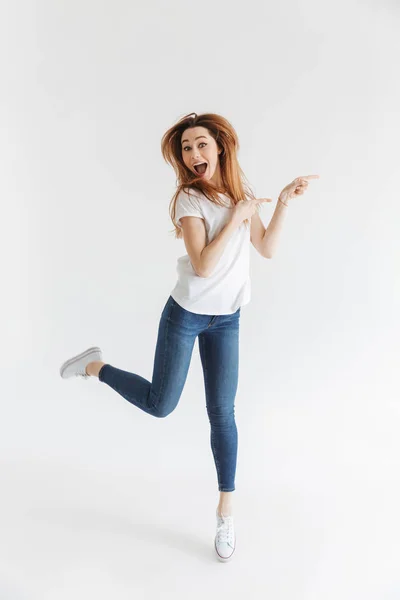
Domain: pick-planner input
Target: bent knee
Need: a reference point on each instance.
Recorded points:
(163, 411)
(164, 405)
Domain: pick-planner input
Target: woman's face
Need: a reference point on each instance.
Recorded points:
(198, 146)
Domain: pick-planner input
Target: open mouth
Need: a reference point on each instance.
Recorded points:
(201, 168)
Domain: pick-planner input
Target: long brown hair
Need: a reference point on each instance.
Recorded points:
(234, 182)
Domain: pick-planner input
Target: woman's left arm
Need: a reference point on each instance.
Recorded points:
(272, 232)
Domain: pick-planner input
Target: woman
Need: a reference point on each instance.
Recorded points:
(217, 215)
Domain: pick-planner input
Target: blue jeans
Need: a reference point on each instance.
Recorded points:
(219, 352)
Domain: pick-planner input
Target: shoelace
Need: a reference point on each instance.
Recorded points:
(82, 373)
(225, 532)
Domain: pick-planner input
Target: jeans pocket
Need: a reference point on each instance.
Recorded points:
(183, 317)
(169, 305)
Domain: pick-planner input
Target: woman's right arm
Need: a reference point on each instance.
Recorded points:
(204, 257)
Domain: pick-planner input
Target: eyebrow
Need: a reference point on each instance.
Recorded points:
(199, 136)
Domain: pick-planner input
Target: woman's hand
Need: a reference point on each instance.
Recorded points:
(245, 209)
(297, 187)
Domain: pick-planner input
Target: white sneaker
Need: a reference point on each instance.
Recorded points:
(225, 538)
(77, 364)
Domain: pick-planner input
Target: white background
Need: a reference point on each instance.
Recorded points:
(99, 499)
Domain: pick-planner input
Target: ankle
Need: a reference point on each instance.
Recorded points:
(225, 511)
(93, 368)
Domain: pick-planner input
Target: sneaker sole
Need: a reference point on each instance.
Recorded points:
(77, 357)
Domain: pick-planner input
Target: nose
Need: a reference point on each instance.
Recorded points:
(196, 156)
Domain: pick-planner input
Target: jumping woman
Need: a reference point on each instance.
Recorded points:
(216, 213)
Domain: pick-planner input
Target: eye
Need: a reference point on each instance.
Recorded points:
(205, 144)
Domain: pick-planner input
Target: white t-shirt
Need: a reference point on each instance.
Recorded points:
(228, 287)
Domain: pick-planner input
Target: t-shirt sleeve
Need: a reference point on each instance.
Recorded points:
(187, 206)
